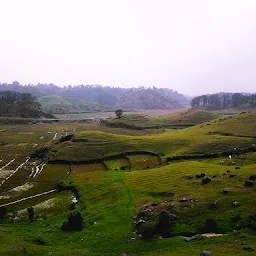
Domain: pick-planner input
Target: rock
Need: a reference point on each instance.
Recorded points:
(206, 180)
(143, 214)
(188, 177)
(216, 176)
(214, 204)
(228, 171)
(235, 203)
(206, 253)
(252, 177)
(225, 191)
(188, 239)
(237, 168)
(154, 203)
(183, 199)
(201, 175)
(248, 248)
(123, 254)
(249, 183)
(232, 175)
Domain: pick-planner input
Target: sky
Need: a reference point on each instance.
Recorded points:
(192, 46)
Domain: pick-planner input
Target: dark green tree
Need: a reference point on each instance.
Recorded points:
(119, 113)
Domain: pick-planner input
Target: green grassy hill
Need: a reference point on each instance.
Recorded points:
(176, 119)
(60, 105)
(122, 198)
(200, 139)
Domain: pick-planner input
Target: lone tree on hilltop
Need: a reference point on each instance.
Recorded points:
(119, 113)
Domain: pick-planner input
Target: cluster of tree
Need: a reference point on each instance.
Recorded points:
(224, 101)
(126, 98)
(15, 104)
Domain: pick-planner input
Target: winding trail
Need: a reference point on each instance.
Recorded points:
(14, 171)
(7, 164)
(29, 197)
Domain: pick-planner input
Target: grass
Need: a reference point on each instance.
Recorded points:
(198, 139)
(173, 119)
(110, 198)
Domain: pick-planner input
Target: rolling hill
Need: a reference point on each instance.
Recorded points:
(61, 105)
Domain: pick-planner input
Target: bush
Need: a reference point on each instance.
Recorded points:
(74, 222)
(31, 213)
(3, 212)
(252, 220)
(147, 231)
(210, 226)
(39, 240)
(163, 225)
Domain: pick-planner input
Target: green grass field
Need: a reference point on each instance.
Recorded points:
(119, 173)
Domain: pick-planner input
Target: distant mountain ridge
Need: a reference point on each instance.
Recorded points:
(100, 98)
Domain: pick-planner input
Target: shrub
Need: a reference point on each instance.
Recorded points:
(3, 212)
(210, 226)
(252, 220)
(147, 231)
(31, 213)
(163, 225)
(39, 240)
(74, 222)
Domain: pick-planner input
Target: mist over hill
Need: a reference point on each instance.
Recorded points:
(103, 97)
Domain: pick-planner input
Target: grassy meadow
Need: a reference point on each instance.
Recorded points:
(118, 174)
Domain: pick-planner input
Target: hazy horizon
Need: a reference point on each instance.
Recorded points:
(193, 47)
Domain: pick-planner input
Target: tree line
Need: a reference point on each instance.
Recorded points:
(224, 100)
(126, 98)
(15, 104)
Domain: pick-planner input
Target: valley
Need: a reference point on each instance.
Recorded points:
(146, 191)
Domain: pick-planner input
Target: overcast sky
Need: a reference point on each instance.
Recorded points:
(193, 46)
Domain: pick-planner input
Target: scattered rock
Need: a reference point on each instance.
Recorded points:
(252, 177)
(183, 199)
(228, 171)
(206, 180)
(201, 175)
(237, 168)
(249, 183)
(188, 239)
(123, 254)
(155, 204)
(225, 191)
(214, 204)
(216, 176)
(188, 177)
(248, 248)
(235, 203)
(232, 175)
(206, 253)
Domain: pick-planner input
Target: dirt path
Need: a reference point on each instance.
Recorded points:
(7, 164)
(29, 197)
(14, 171)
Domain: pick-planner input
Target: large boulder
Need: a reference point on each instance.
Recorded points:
(249, 183)
(201, 175)
(206, 180)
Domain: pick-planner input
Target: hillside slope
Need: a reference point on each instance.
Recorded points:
(60, 105)
(199, 139)
(176, 119)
